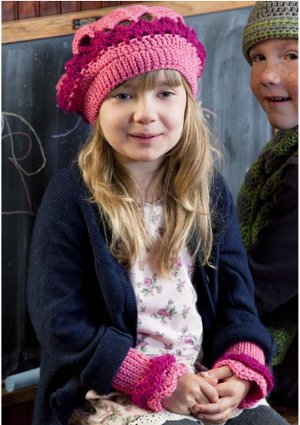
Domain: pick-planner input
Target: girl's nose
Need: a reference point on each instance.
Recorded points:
(145, 111)
(271, 74)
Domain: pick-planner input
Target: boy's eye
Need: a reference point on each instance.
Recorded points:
(292, 56)
(257, 58)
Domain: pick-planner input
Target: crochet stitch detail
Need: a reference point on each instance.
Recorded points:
(167, 387)
(270, 20)
(113, 19)
(152, 381)
(148, 380)
(252, 364)
(257, 392)
(247, 361)
(121, 46)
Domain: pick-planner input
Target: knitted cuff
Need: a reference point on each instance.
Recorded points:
(169, 384)
(131, 372)
(259, 387)
(247, 361)
(248, 348)
(148, 380)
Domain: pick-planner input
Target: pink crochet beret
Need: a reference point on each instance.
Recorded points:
(123, 44)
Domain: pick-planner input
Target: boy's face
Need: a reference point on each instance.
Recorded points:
(274, 80)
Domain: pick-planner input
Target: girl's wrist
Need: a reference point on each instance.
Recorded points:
(148, 380)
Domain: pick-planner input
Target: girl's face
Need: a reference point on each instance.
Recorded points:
(142, 125)
(274, 80)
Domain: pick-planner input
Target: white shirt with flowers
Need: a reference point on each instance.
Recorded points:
(168, 322)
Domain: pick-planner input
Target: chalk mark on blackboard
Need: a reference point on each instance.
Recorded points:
(57, 136)
(11, 114)
(209, 113)
(15, 160)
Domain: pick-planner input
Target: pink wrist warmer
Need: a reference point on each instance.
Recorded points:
(148, 380)
(247, 361)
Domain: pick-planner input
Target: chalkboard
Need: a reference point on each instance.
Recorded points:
(38, 139)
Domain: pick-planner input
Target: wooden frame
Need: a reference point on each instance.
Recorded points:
(58, 25)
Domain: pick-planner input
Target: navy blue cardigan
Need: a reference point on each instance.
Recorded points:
(83, 307)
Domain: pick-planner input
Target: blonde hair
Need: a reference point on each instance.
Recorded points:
(183, 182)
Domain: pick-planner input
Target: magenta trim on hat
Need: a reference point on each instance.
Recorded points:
(130, 13)
(127, 61)
(170, 45)
(118, 35)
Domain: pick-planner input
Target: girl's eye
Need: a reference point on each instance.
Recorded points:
(166, 93)
(123, 96)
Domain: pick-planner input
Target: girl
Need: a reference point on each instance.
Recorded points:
(268, 201)
(144, 278)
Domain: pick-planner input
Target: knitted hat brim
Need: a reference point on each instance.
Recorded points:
(261, 31)
(125, 61)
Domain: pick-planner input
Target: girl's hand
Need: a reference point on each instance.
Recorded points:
(231, 391)
(191, 389)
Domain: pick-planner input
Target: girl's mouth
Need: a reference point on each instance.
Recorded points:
(145, 138)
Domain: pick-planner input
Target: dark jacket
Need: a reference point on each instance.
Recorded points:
(273, 258)
(273, 261)
(83, 306)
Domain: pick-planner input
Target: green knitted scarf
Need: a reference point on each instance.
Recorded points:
(255, 200)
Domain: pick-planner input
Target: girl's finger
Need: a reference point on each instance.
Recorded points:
(218, 418)
(209, 391)
(212, 379)
(223, 372)
(219, 407)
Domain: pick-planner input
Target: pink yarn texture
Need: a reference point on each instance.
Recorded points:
(126, 43)
(247, 361)
(259, 389)
(148, 380)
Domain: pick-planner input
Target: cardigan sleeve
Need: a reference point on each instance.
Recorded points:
(72, 318)
(231, 284)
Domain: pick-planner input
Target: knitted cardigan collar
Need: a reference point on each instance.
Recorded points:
(258, 192)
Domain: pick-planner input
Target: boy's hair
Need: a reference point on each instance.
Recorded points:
(183, 182)
(270, 20)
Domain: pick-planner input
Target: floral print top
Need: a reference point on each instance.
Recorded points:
(168, 320)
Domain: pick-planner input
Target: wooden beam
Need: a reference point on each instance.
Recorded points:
(18, 396)
(53, 26)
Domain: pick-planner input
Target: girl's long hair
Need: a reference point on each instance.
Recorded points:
(183, 182)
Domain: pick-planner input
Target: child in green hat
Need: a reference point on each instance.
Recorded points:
(268, 200)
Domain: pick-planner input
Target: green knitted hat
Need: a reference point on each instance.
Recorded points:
(270, 20)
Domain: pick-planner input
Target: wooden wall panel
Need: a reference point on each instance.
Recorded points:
(15, 10)
(89, 5)
(28, 9)
(9, 10)
(70, 6)
(48, 8)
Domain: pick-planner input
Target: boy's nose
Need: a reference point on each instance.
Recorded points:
(271, 74)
